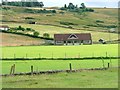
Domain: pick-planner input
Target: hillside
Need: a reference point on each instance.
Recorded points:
(99, 23)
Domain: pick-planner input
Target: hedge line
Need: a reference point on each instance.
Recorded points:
(18, 33)
(89, 58)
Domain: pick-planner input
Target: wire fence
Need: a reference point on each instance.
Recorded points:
(24, 66)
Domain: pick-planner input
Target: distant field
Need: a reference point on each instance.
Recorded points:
(54, 30)
(15, 16)
(61, 51)
(17, 40)
(43, 65)
(108, 15)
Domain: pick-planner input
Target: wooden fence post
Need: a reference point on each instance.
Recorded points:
(26, 55)
(108, 65)
(106, 54)
(78, 55)
(31, 70)
(39, 55)
(11, 70)
(103, 63)
(70, 67)
(110, 61)
(14, 69)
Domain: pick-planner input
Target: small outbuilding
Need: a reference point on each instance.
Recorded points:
(4, 28)
(72, 39)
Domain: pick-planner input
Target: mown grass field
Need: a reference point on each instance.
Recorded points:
(85, 79)
(95, 50)
(45, 65)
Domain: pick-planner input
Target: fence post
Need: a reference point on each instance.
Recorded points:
(39, 55)
(78, 55)
(31, 70)
(110, 61)
(14, 69)
(108, 65)
(103, 63)
(26, 55)
(11, 70)
(106, 54)
(14, 56)
(70, 67)
(2, 56)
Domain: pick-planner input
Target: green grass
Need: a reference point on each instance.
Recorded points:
(43, 65)
(61, 51)
(85, 79)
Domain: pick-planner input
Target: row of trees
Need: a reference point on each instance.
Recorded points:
(75, 8)
(23, 3)
(39, 11)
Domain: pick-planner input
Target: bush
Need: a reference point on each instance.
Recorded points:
(67, 23)
(36, 34)
(101, 25)
(29, 11)
(20, 28)
(29, 18)
(99, 21)
(46, 35)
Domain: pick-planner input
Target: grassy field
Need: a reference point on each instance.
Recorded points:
(85, 79)
(55, 30)
(17, 40)
(61, 51)
(108, 15)
(15, 16)
(43, 65)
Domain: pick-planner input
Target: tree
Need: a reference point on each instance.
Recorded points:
(83, 5)
(71, 6)
(76, 6)
(36, 34)
(41, 4)
(65, 6)
(46, 35)
(20, 28)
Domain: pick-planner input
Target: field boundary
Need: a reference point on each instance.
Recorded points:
(52, 71)
(90, 58)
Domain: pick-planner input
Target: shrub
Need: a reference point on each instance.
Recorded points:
(67, 23)
(99, 21)
(46, 35)
(36, 34)
(29, 18)
(29, 29)
(20, 28)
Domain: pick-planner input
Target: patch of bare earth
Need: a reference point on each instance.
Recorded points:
(18, 40)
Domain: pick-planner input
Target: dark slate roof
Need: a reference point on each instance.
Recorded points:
(81, 36)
